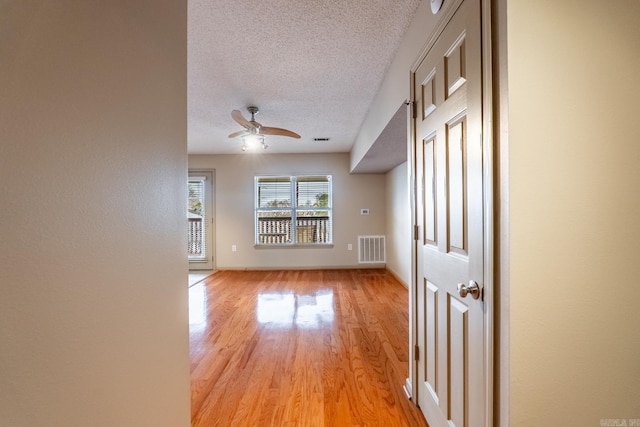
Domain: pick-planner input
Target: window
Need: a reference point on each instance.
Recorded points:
(293, 210)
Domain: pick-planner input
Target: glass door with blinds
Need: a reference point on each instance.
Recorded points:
(200, 218)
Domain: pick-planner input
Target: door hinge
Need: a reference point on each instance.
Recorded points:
(416, 232)
(414, 110)
(416, 352)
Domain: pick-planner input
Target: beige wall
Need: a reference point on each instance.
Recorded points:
(234, 208)
(398, 224)
(93, 300)
(574, 206)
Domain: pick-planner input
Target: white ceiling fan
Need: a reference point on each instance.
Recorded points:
(253, 134)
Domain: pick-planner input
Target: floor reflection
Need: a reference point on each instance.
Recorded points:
(284, 310)
(197, 304)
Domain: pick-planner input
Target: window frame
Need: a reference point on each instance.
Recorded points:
(294, 213)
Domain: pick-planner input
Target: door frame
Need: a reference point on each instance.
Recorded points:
(489, 191)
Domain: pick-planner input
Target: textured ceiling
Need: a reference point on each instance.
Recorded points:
(313, 67)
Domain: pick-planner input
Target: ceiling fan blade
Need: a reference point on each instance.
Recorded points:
(278, 131)
(239, 133)
(238, 117)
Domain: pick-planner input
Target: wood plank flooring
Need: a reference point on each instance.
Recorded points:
(300, 348)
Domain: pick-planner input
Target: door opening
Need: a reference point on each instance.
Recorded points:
(200, 246)
(452, 199)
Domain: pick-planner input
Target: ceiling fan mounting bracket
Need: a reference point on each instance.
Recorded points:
(253, 109)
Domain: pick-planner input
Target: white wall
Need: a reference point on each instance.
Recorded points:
(574, 206)
(93, 299)
(234, 205)
(398, 223)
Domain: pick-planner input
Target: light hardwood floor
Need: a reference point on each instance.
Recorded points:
(300, 348)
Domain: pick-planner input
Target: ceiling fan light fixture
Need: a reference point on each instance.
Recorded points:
(253, 141)
(253, 135)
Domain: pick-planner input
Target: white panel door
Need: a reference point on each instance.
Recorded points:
(449, 215)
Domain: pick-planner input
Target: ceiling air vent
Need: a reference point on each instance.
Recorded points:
(320, 139)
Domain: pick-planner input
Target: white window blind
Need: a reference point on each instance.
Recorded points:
(293, 210)
(196, 248)
(274, 192)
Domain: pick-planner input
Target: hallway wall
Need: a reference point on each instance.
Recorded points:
(93, 293)
(574, 207)
(398, 223)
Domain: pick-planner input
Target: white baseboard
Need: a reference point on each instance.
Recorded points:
(311, 267)
(398, 278)
(408, 389)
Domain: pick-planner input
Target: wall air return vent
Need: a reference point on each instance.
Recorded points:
(371, 249)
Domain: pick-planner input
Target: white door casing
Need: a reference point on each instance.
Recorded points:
(451, 330)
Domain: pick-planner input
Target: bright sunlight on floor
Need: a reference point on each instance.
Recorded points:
(197, 276)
